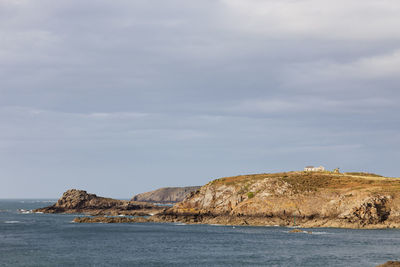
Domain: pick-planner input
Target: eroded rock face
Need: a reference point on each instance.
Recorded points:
(308, 199)
(79, 201)
(374, 210)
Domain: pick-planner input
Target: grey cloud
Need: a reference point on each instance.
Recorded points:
(178, 92)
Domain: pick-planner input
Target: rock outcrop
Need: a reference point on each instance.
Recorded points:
(390, 264)
(319, 199)
(103, 219)
(79, 201)
(166, 194)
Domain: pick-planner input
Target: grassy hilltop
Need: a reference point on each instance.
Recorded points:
(301, 181)
(353, 199)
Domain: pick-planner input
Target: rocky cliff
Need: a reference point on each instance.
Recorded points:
(320, 199)
(79, 201)
(166, 194)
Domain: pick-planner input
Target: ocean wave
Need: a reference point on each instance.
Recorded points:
(11, 221)
(310, 232)
(322, 233)
(24, 211)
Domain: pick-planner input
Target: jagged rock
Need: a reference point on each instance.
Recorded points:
(390, 264)
(166, 194)
(102, 219)
(79, 201)
(300, 231)
(374, 210)
(296, 231)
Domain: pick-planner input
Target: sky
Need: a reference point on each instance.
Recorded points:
(122, 97)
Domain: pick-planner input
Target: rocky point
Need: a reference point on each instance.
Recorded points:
(307, 199)
(79, 201)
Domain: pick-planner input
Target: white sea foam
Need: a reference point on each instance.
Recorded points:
(26, 212)
(23, 211)
(179, 224)
(321, 233)
(11, 221)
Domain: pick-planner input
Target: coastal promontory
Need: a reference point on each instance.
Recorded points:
(307, 199)
(299, 198)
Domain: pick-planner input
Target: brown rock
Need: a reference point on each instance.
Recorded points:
(306, 199)
(390, 264)
(103, 219)
(79, 201)
(296, 231)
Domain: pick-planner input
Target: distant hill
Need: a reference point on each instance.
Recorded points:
(166, 194)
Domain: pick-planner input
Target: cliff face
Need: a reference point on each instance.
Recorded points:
(79, 201)
(166, 194)
(307, 199)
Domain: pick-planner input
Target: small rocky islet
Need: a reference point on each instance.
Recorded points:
(305, 199)
(79, 201)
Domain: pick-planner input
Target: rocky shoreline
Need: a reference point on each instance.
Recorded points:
(266, 221)
(104, 219)
(307, 200)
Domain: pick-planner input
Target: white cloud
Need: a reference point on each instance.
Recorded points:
(173, 86)
(341, 19)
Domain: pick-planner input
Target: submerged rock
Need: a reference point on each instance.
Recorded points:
(299, 231)
(296, 231)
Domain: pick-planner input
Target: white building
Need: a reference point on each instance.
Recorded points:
(314, 169)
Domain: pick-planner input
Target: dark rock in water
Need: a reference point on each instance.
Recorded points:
(102, 219)
(299, 231)
(390, 264)
(79, 201)
(166, 194)
(296, 231)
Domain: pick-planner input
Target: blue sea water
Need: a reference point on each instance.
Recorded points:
(54, 240)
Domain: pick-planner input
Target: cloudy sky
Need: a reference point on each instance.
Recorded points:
(120, 97)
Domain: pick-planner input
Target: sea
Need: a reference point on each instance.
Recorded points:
(31, 239)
